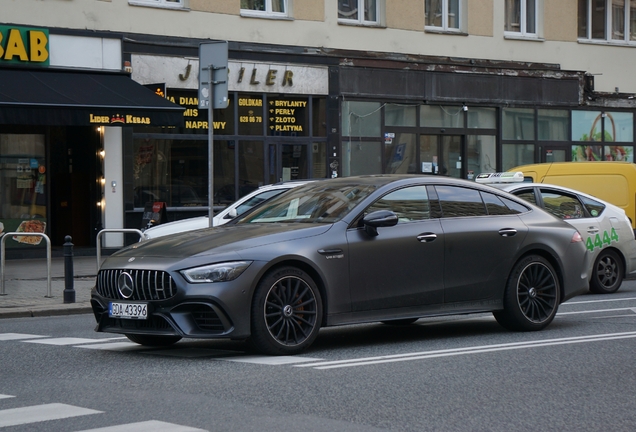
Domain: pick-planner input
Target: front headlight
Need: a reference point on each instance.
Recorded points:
(222, 272)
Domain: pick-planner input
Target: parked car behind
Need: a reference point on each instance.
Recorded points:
(238, 208)
(606, 229)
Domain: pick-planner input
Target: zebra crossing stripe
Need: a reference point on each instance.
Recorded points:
(17, 336)
(5, 396)
(152, 425)
(39, 413)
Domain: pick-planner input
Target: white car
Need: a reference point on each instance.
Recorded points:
(605, 228)
(245, 203)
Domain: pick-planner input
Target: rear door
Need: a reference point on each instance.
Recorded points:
(482, 236)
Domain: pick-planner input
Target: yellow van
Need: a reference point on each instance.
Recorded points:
(614, 182)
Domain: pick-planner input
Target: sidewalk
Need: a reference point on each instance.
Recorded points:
(25, 287)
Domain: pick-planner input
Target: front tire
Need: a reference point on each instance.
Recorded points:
(286, 312)
(532, 296)
(607, 274)
(153, 340)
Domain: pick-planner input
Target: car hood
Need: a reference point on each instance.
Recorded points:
(217, 240)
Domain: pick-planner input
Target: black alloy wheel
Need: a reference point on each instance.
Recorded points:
(153, 340)
(607, 274)
(532, 295)
(286, 312)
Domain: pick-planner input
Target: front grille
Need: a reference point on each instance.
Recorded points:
(155, 323)
(147, 284)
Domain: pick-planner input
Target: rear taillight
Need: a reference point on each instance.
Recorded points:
(576, 237)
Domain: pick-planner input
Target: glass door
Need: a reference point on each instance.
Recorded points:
(288, 162)
(441, 155)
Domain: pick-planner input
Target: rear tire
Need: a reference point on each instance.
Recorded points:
(532, 295)
(286, 312)
(607, 274)
(153, 340)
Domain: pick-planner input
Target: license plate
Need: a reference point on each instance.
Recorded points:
(128, 310)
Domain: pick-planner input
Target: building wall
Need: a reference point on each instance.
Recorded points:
(315, 24)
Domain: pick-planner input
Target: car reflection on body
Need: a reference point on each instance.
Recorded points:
(387, 248)
(605, 228)
(239, 207)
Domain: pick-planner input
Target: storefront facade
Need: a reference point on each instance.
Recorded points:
(63, 100)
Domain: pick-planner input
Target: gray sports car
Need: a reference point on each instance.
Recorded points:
(388, 248)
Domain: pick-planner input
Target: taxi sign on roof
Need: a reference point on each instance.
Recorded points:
(500, 177)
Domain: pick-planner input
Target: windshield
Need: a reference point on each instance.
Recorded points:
(319, 202)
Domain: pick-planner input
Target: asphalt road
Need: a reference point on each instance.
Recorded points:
(453, 374)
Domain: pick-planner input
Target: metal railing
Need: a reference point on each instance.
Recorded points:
(112, 230)
(48, 259)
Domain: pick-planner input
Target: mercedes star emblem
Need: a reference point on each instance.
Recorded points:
(125, 285)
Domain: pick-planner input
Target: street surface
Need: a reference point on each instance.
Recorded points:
(453, 374)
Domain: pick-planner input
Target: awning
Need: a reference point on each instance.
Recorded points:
(65, 98)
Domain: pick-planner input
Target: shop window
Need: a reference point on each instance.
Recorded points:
(361, 157)
(23, 179)
(482, 118)
(521, 18)
(599, 127)
(607, 20)
(287, 115)
(361, 119)
(250, 114)
(177, 4)
(552, 125)
(442, 116)
(319, 117)
(400, 154)
(513, 155)
(400, 115)
(264, 8)
(251, 163)
(443, 15)
(518, 124)
(480, 155)
(365, 12)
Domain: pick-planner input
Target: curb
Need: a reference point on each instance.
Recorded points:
(44, 311)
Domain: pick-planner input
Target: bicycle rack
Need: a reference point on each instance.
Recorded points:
(112, 230)
(48, 259)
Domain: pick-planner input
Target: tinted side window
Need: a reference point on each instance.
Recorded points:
(494, 205)
(564, 206)
(514, 206)
(458, 201)
(594, 207)
(526, 194)
(409, 204)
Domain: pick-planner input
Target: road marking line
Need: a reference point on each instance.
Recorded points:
(191, 352)
(467, 350)
(596, 311)
(597, 301)
(114, 346)
(152, 425)
(6, 396)
(18, 336)
(270, 360)
(39, 413)
(69, 341)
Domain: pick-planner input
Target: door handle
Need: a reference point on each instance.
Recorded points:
(329, 251)
(426, 237)
(592, 230)
(507, 232)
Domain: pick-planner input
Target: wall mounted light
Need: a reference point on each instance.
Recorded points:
(464, 108)
(102, 153)
(99, 128)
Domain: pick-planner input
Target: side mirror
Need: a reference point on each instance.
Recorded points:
(380, 218)
(231, 214)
